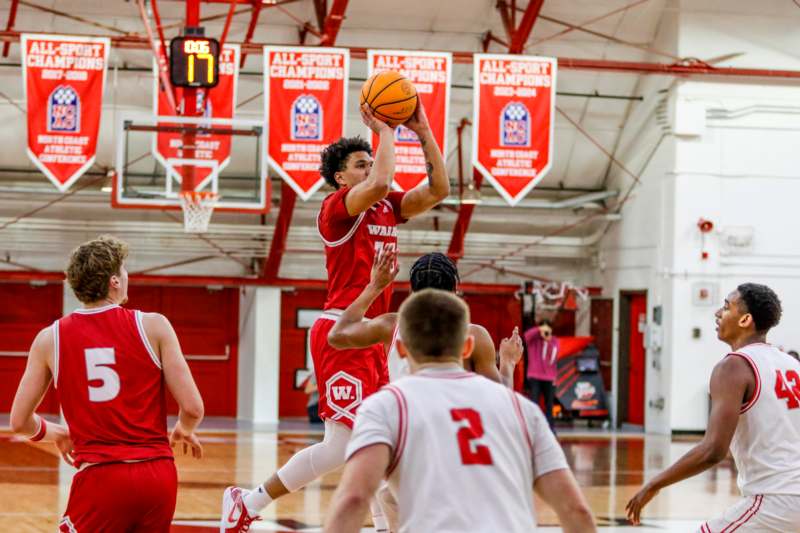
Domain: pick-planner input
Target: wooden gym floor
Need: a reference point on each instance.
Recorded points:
(609, 467)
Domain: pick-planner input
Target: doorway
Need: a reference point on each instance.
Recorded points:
(632, 357)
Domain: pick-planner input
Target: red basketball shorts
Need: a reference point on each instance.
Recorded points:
(122, 497)
(345, 377)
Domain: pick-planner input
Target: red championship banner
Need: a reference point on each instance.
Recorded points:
(63, 78)
(305, 95)
(212, 152)
(512, 139)
(430, 74)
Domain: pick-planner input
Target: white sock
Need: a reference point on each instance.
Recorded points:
(256, 499)
(379, 521)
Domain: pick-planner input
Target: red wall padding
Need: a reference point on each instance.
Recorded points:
(24, 310)
(207, 324)
(497, 313)
(292, 401)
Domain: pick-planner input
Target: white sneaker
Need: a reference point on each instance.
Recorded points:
(235, 517)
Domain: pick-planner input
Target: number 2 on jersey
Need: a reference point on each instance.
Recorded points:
(98, 361)
(471, 453)
(791, 393)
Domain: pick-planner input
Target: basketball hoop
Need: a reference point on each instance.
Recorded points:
(197, 209)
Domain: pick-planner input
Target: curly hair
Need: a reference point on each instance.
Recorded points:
(434, 271)
(762, 303)
(92, 264)
(334, 157)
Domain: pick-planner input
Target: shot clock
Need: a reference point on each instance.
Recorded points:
(194, 61)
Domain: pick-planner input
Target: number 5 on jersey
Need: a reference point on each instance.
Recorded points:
(472, 453)
(98, 361)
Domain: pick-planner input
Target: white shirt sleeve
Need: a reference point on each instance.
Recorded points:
(376, 423)
(547, 453)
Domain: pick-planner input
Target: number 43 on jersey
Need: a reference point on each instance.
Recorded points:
(788, 388)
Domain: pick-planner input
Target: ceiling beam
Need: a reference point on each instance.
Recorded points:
(685, 68)
(278, 245)
(456, 249)
(12, 18)
(251, 28)
(333, 22)
(521, 33)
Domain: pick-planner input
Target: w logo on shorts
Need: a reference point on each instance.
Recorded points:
(306, 118)
(515, 125)
(344, 394)
(64, 110)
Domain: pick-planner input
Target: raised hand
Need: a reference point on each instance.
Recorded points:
(418, 122)
(384, 268)
(511, 349)
(373, 123)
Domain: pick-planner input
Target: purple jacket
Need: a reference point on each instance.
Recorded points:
(542, 355)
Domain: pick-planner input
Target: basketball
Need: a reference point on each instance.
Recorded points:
(390, 96)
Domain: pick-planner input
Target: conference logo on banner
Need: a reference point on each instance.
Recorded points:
(305, 95)
(212, 151)
(513, 118)
(63, 78)
(430, 74)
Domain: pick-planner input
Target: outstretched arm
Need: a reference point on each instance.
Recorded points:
(560, 490)
(510, 354)
(350, 330)
(379, 182)
(360, 480)
(31, 390)
(730, 381)
(426, 195)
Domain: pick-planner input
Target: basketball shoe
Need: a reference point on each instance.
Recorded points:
(235, 517)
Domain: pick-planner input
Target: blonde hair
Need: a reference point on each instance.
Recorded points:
(92, 264)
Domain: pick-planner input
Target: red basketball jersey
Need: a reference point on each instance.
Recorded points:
(351, 244)
(110, 385)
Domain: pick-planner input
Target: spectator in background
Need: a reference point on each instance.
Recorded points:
(542, 355)
(794, 354)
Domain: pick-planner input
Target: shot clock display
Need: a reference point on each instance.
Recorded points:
(194, 61)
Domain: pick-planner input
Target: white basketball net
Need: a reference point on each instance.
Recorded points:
(197, 209)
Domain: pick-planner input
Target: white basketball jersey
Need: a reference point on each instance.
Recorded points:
(398, 366)
(465, 451)
(765, 445)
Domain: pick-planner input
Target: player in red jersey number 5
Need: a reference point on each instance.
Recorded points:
(111, 367)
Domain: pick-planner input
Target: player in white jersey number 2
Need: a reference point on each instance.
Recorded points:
(460, 452)
(755, 411)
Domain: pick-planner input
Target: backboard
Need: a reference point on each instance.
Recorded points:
(155, 155)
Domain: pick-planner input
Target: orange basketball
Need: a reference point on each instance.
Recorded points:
(391, 97)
